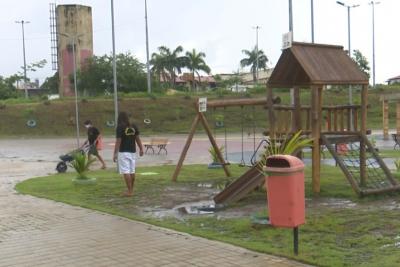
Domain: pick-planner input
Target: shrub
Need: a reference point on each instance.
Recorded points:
(213, 153)
(81, 164)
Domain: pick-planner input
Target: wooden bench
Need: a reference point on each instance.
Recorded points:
(160, 143)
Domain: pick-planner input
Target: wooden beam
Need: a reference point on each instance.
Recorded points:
(271, 114)
(296, 114)
(240, 102)
(398, 117)
(316, 108)
(385, 119)
(186, 147)
(363, 128)
(214, 143)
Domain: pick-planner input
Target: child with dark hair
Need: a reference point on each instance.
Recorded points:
(127, 136)
(93, 138)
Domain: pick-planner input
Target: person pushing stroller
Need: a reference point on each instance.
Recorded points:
(93, 138)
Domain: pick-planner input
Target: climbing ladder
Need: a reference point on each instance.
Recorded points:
(361, 164)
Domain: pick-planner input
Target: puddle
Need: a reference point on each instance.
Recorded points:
(331, 202)
(205, 185)
(148, 173)
(191, 208)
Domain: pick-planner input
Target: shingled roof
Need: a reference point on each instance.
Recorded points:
(305, 64)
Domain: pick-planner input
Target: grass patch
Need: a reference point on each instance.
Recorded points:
(364, 233)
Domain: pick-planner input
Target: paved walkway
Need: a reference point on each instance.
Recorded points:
(39, 232)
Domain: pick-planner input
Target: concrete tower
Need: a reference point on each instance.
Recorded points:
(74, 25)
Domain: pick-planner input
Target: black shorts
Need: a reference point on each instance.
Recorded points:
(93, 150)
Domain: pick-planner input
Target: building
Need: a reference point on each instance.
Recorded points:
(186, 79)
(246, 78)
(393, 80)
(74, 26)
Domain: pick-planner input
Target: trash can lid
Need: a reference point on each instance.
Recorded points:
(283, 163)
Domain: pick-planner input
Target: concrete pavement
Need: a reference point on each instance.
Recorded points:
(39, 232)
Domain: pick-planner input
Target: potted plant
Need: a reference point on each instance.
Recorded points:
(81, 164)
(284, 145)
(214, 156)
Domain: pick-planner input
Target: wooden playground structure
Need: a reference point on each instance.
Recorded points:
(312, 67)
(386, 99)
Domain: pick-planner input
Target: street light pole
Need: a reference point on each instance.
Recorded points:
(312, 21)
(74, 38)
(76, 92)
(22, 22)
(349, 52)
(290, 17)
(373, 3)
(256, 28)
(147, 50)
(114, 66)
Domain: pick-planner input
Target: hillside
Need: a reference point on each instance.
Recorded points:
(167, 114)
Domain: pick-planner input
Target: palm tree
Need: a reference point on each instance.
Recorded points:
(251, 60)
(196, 63)
(158, 63)
(167, 63)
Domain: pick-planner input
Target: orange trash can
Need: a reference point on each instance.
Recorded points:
(285, 190)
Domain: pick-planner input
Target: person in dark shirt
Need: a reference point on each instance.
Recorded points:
(127, 136)
(93, 137)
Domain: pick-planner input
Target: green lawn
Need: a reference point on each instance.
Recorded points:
(358, 232)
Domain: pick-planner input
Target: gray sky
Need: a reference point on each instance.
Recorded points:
(220, 28)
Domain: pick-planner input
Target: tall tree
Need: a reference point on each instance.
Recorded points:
(251, 60)
(361, 61)
(195, 63)
(96, 75)
(168, 63)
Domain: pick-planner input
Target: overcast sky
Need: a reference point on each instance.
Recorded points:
(219, 28)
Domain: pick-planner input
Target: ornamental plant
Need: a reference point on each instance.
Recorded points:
(81, 164)
(284, 145)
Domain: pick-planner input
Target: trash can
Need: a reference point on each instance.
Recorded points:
(285, 190)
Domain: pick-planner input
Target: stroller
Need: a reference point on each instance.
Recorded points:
(62, 165)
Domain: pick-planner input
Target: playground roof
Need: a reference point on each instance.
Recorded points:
(306, 64)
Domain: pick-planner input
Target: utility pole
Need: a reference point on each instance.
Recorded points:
(147, 50)
(114, 66)
(312, 21)
(22, 22)
(349, 52)
(291, 30)
(256, 28)
(373, 3)
(74, 39)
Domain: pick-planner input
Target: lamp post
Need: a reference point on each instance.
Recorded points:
(114, 66)
(312, 21)
(147, 49)
(22, 22)
(73, 39)
(349, 52)
(373, 3)
(256, 28)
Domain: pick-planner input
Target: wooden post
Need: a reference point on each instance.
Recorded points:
(335, 120)
(355, 119)
(214, 143)
(186, 147)
(397, 117)
(363, 128)
(385, 119)
(316, 108)
(329, 120)
(349, 122)
(271, 115)
(296, 113)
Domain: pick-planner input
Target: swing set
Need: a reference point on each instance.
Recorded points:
(201, 118)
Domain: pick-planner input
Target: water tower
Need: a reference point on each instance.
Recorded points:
(73, 25)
